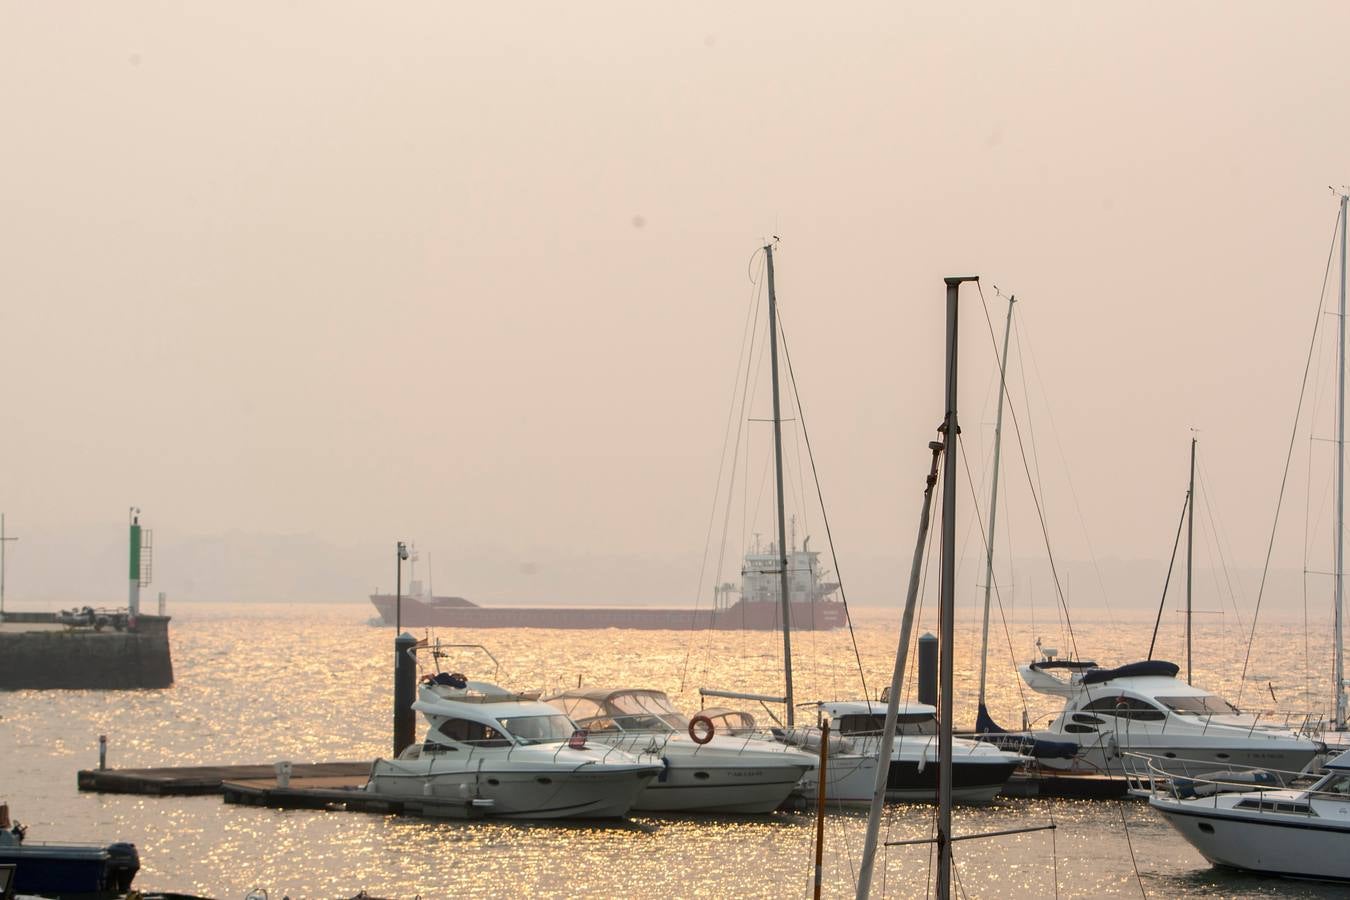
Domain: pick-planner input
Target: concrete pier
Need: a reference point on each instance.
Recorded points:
(40, 654)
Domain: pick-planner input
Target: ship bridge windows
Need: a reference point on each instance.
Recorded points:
(1126, 708)
(477, 734)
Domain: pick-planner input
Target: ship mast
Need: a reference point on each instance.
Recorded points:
(778, 477)
(947, 594)
(1339, 576)
(993, 511)
(1190, 553)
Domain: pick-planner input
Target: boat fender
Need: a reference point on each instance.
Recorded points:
(665, 770)
(701, 729)
(923, 762)
(1112, 747)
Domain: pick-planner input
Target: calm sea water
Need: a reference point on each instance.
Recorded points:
(260, 683)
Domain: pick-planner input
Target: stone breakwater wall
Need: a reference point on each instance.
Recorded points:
(84, 659)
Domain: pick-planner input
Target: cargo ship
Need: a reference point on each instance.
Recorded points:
(753, 606)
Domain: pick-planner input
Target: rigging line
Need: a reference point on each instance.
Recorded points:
(1120, 805)
(1181, 521)
(1040, 512)
(824, 516)
(1068, 478)
(721, 466)
(1219, 541)
(998, 594)
(1284, 479)
(741, 439)
(1218, 547)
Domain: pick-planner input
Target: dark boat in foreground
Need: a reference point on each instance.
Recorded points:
(65, 869)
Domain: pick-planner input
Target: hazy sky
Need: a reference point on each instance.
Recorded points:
(476, 274)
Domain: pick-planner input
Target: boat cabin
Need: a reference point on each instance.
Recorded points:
(860, 718)
(482, 716)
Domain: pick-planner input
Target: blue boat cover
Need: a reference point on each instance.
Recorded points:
(1022, 742)
(1133, 670)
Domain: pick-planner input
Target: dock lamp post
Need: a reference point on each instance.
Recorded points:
(398, 588)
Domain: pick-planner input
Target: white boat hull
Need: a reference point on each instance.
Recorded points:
(1291, 846)
(850, 780)
(744, 789)
(1191, 758)
(593, 793)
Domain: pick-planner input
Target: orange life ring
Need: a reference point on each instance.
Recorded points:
(697, 734)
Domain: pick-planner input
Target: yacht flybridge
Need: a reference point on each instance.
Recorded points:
(702, 769)
(490, 752)
(1143, 708)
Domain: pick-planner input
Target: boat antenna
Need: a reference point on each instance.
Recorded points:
(982, 710)
(778, 476)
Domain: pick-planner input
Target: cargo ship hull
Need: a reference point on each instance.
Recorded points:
(752, 615)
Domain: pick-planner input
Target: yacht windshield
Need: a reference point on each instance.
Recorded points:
(538, 729)
(1203, 705)
(646, 712)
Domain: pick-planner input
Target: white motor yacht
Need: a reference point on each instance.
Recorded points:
(1144, 708)
(1239, 825)
(979, 770)
(714, 773)
(489, 752)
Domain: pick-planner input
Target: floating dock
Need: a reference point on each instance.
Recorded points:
(191, 780)
(1072, 787)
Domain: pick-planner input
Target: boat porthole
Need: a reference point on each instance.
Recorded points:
(1221, 755)
(1206, 828)
(542, 780)
(494, 782)
(701, 775)
(1170, 755)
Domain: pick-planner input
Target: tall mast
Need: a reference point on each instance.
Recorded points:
(778, 477)
(1340, 489)
(1190, 552)
(993, 508)
(947, 626)
(897, 681)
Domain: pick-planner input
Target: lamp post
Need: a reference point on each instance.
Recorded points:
(398, 587)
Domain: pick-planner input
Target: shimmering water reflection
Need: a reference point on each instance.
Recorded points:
(263, 683)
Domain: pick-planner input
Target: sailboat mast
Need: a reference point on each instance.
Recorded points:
(887, 744)
(1339, 577)
(1190, 552)
(993, 503)
(778, 477)
(947, 626)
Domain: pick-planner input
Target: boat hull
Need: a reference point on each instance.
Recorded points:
(1292, 846)
(822, 615)
(744, 789)
(852, 779)
(1173, 758)
(590, 794)
(57, 869)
